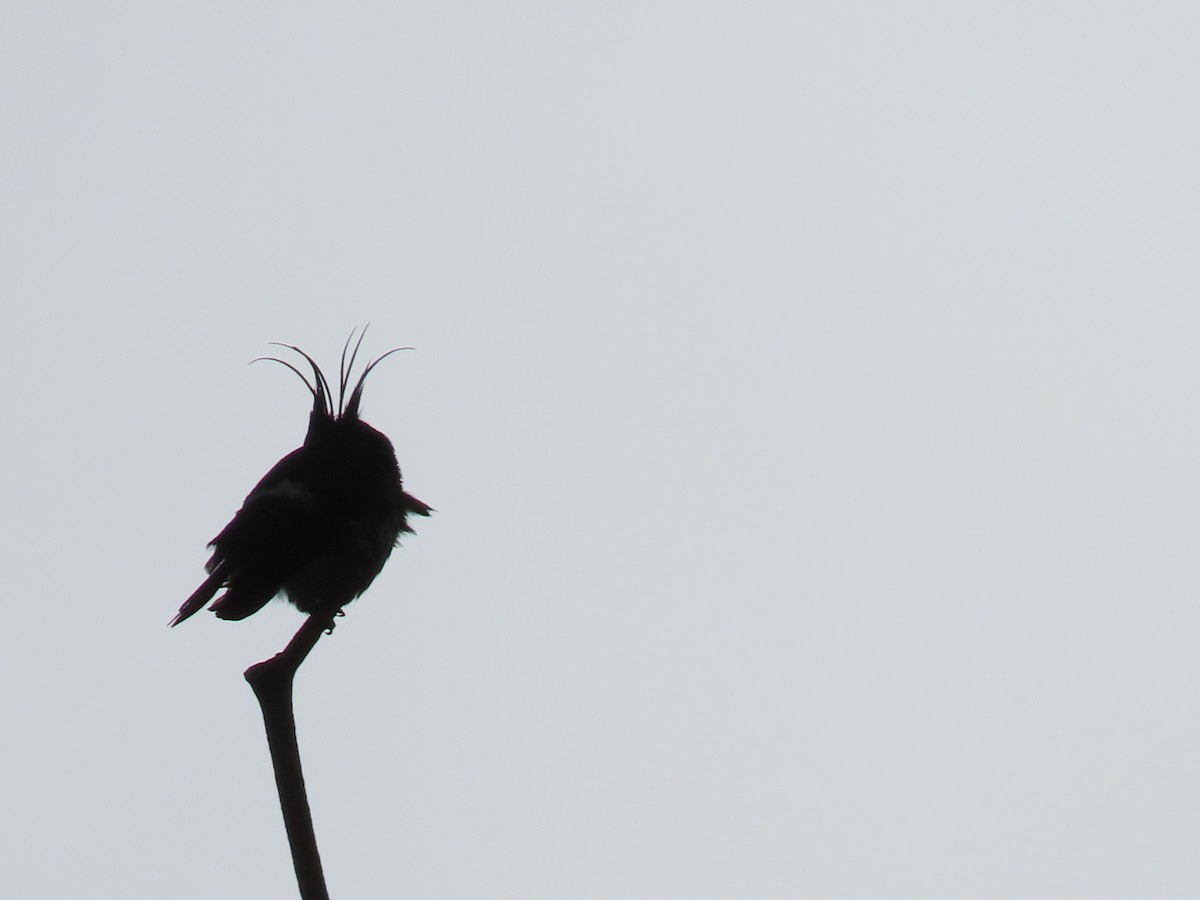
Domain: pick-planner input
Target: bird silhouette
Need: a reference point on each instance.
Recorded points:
(321, 524)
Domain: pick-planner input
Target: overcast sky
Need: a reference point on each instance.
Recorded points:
(808, 393)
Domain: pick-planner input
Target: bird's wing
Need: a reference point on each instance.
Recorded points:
(276, 533)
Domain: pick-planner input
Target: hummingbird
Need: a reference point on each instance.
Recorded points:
(319, 526)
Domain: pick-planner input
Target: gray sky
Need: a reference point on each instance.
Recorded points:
(808, 393)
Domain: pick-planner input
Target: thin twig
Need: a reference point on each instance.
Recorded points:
(272, 681)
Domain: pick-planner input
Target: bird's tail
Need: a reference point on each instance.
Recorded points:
(243, 600)
(203, 594)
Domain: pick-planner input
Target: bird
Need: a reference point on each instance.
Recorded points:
(319, 526)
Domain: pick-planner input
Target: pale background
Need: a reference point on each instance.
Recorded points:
(809, 393)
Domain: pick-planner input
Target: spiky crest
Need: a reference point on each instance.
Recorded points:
(319, 387)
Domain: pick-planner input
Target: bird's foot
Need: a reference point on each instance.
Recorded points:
(332, 624)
